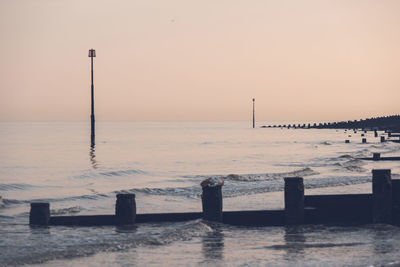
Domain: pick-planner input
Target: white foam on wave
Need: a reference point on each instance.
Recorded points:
(65, 211)
(240, 187)
(270, 176)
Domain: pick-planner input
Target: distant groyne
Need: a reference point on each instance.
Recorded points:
(388, 123)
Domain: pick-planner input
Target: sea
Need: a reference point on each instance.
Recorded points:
(163, 164)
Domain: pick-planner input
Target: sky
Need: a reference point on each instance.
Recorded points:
(301, 60)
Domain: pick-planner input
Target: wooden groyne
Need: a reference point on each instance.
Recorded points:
(389, 123)
(382, 206)
(377, 157)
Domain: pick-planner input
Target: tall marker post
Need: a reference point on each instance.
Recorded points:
(254, 119)
(92, 54)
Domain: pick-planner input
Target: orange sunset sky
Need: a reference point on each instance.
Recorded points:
(200, 60)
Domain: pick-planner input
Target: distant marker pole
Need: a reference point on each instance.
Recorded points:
(254, 119)
(92, 54)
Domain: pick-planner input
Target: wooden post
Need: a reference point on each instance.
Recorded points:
(125, 209)
(294, 200)
(376, 156)
(396, 201)
(382, 139)
(364, 140)
(212, 203)
(381, 196)
(39, 214)
(396, 192)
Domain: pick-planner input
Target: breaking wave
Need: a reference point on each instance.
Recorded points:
(24, 201)
(110, 173)
(353, 165)
(9, 187)
(189, 192)
(233, 189)
(270, 176)
(122, 172)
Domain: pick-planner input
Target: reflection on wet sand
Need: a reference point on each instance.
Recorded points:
(382, 233)
(213, 244)
(294, 242)
(92, 153)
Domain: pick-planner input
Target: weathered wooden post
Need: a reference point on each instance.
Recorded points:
(212, 200)
(364, 140)
(382, 139)
(125, 209)
(294, 200)
(381, 196)
(39, 214)
(396, 201)
(376, 156)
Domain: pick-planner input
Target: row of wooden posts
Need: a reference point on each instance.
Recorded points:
(382, 206)
(364, 140)
(390, 136)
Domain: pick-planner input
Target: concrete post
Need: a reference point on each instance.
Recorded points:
(39, 214)
(381, 196)
(294, 200)
(376, 156)
(125, 209)
(212, 203)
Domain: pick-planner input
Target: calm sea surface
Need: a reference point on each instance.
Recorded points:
(163, 163)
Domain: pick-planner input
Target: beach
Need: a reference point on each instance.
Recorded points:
(163, 163)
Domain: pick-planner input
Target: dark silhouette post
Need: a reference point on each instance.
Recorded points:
(294, 200)
(212, 203)
(92, 54)
(376, 156)
(39, 214)
(254, 119)
(212, 199)
(381, 196)
(125, 209)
